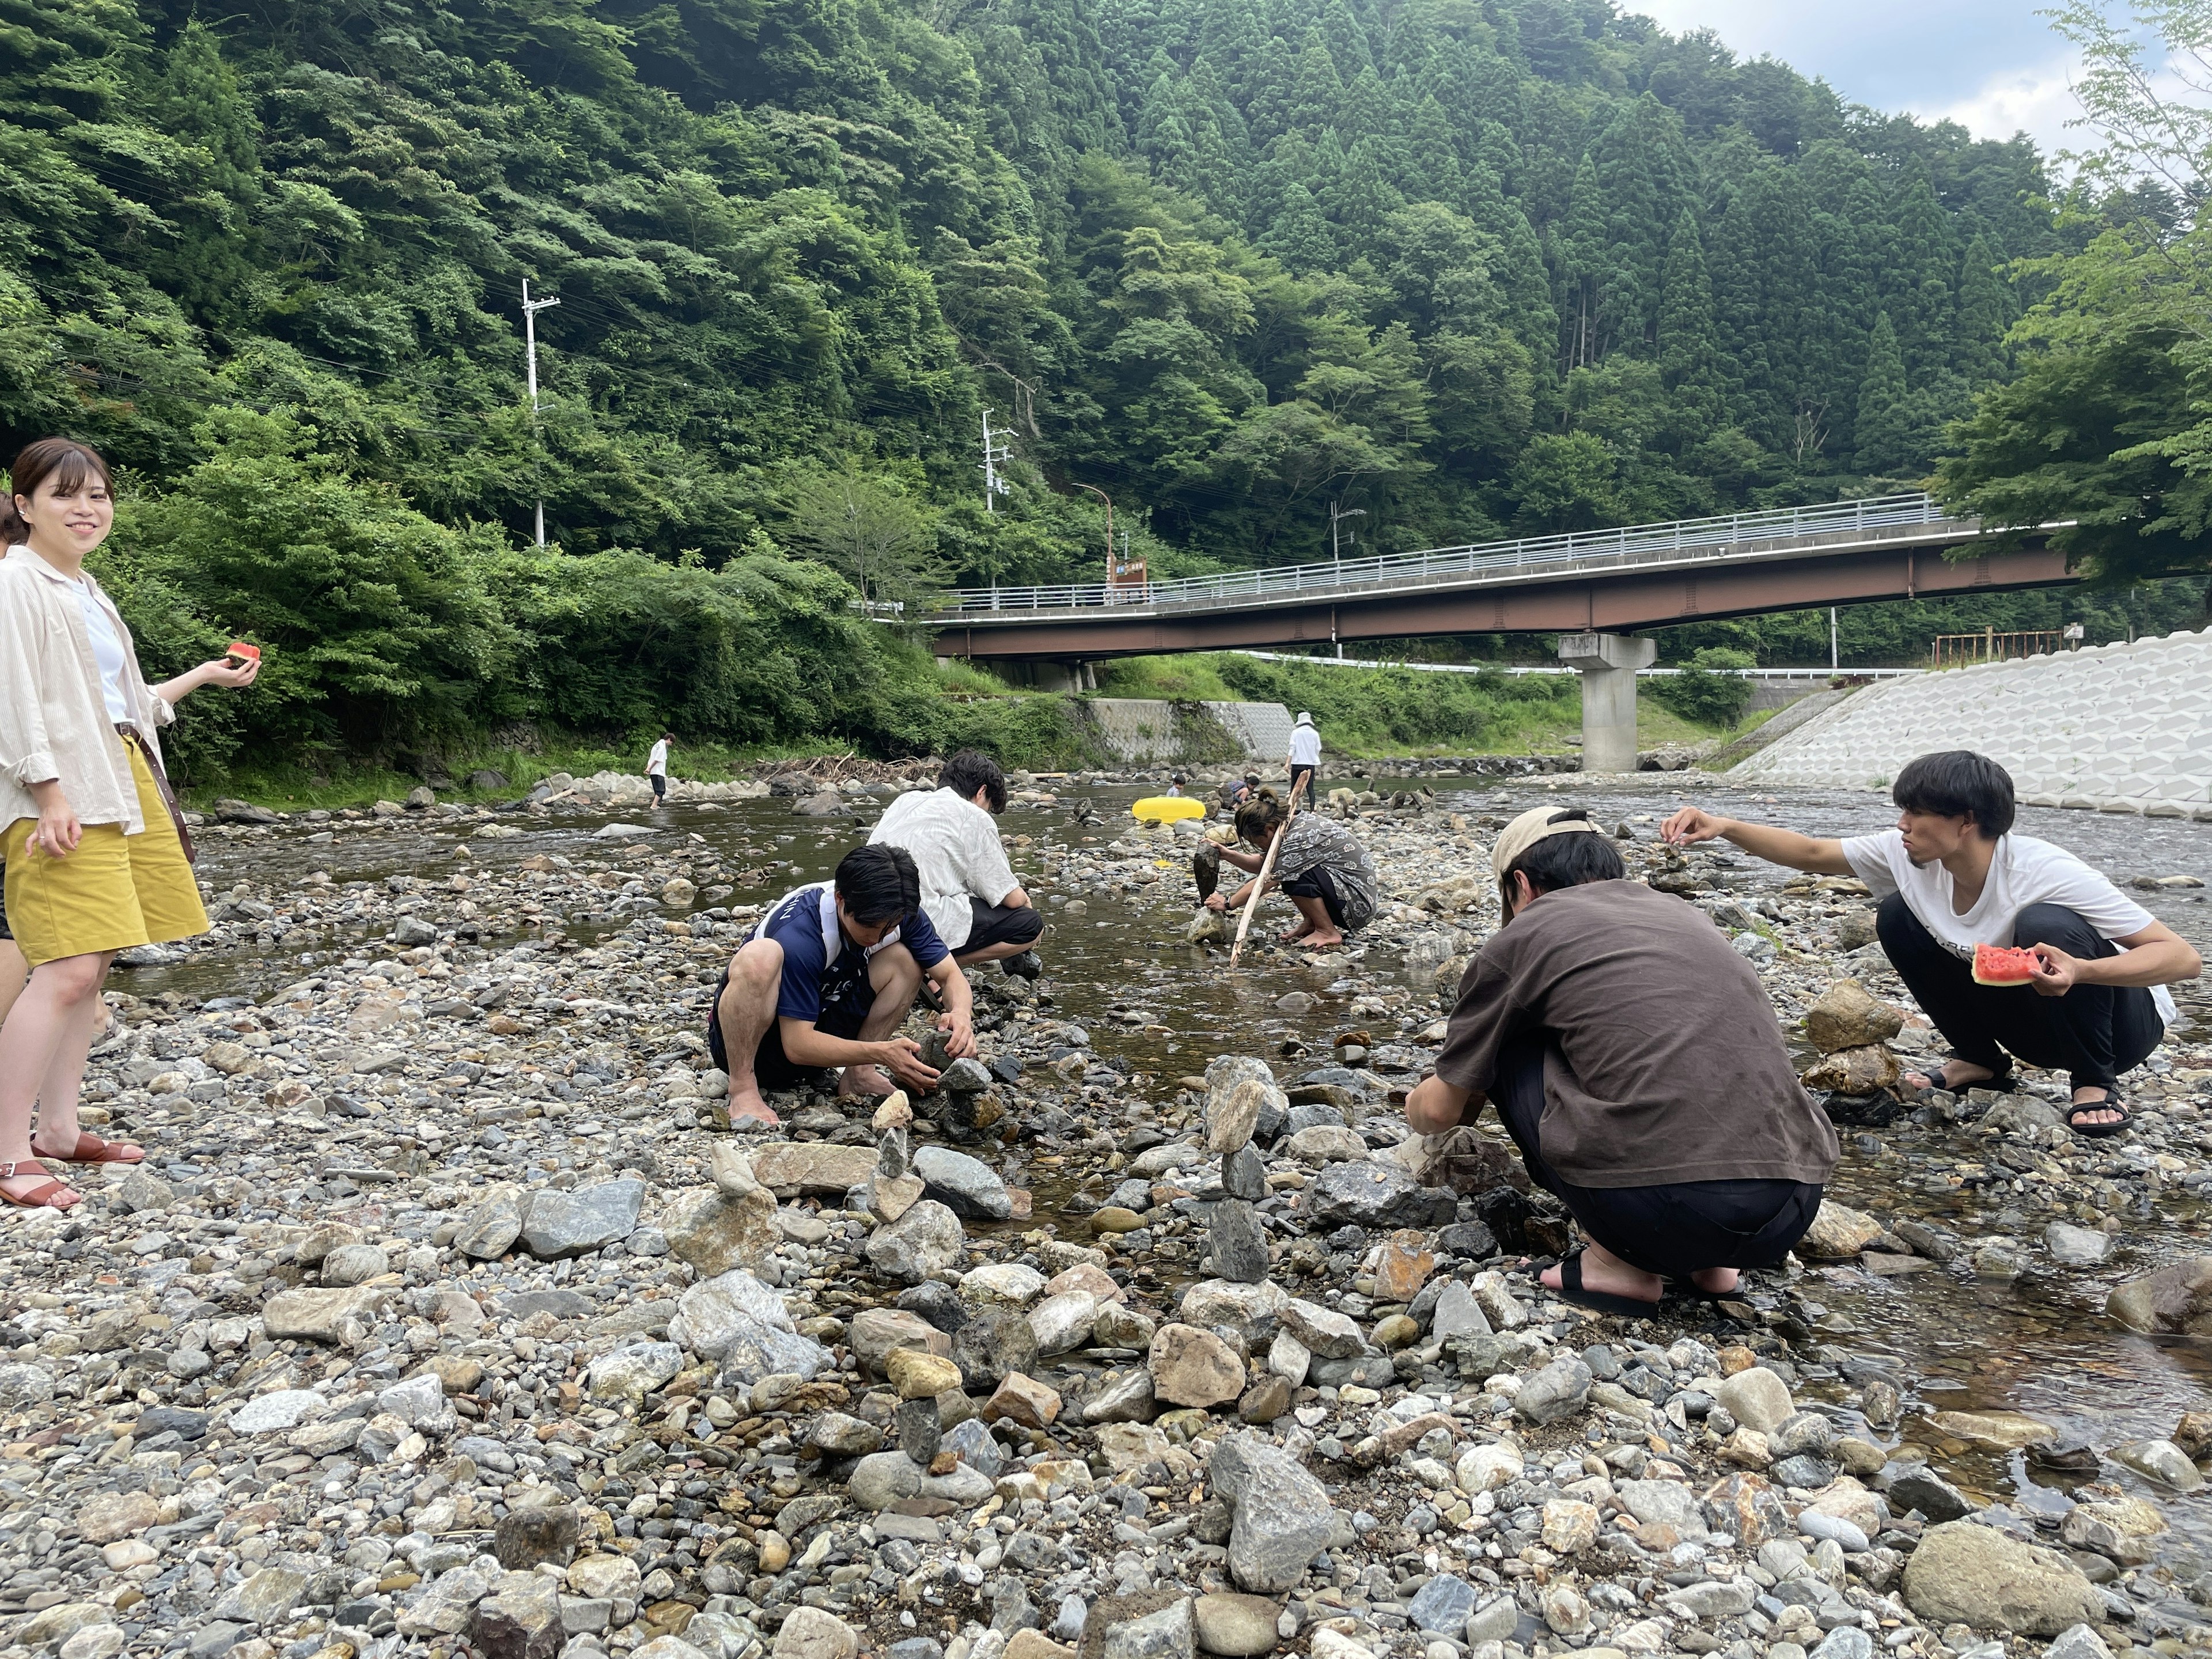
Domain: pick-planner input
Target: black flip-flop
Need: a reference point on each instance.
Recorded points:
(1570, 1290)
(2111, 1103)
(2002, 1083)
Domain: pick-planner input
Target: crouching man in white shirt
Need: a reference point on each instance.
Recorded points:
(1952, 875)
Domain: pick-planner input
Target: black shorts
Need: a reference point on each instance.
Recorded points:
(1318, 883)
(773, 1068)
(4, 934)
(995, 924)
(660, 787)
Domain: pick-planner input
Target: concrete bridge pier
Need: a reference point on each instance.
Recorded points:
(1046, 674)
(1608, 663)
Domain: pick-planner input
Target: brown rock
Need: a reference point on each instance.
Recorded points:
(790, 1168)
(1022, 1400)
(895, 1113)
(1847, 1016)
(1192, 1367)
(1998, 1431)
(117, 1514)
(2193, 1434)
(1406, 1264)
(1749, 1509)
(2175, 1301)
(1838, 1233)
(1853, 1071)
(918, 1374)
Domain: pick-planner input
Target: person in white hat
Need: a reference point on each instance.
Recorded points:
(1305, 757)
(1635, 1059)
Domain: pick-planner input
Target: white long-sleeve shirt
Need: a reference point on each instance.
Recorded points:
(656, 763)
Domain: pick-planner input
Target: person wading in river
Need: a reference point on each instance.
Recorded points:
(1634, 1059)
(96, 859)
(826, 979)
(1952, 875)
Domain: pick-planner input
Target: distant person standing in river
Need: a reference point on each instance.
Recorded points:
(1952, 875)
(656, 768)
(1305, 757)
(96, 857)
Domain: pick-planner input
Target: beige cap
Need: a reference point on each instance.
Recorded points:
(1531, 827)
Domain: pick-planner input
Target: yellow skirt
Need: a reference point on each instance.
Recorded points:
(116, 890)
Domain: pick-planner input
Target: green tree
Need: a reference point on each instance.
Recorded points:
(1883, 418)
(866, 532)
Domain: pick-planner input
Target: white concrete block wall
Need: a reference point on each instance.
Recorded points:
(2119, 728)
(1264, 728)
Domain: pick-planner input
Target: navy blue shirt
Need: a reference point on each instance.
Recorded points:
(805, 923)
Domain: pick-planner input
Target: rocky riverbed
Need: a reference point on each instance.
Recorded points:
(446, 1314)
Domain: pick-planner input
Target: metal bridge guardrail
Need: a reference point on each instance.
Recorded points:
(1590, 549)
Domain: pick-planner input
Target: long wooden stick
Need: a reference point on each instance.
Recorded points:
(1259, 881)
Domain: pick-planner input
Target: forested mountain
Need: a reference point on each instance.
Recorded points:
(1468, 266)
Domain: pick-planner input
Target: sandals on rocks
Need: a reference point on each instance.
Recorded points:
(2111, 1103)
(91, 1149)
(40, 1197)
(2002, 1083)
(1570, 1290)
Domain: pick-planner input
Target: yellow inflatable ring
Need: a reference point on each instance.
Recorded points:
(1167, 809)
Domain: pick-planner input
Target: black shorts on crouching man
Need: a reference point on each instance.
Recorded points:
(997, 924)
(1674, 1229)
(773, 1069)
(1318, 883)
(2095, 1032)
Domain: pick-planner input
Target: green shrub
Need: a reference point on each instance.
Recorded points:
(1700, 694)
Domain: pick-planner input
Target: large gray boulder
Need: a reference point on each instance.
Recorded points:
(1282, 1515)
(1966, 1573)
(967, 1185)
(576, 1224)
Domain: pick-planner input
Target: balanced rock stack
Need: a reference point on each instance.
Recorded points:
(892, 1187)
(1851, 1029)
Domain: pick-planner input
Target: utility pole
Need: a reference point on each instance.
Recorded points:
(1834, 661)
(1109, 500)
(530, 309)
(1335, 517)
(993, 485)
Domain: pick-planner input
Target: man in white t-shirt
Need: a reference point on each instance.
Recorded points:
(969, 890)
(1952, 875)
(656, 767)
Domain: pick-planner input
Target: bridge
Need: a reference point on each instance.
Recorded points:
(1591, 582)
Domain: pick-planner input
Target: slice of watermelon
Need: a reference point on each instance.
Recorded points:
(243, 651)
(1998, 964)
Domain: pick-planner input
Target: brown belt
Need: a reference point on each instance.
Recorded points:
(130, 734)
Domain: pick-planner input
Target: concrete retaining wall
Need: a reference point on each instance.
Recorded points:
(1153, 729)
(2121, 728)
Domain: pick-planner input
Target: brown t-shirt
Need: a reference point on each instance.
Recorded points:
(1664, 1063)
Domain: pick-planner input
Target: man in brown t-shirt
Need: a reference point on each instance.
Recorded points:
(1636, 1061)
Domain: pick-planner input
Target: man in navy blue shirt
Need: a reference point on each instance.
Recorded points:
(826, 979)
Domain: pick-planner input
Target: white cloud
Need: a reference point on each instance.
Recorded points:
(2039, 102)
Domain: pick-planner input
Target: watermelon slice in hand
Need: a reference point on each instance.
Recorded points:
(1998, 964)
(241, 653)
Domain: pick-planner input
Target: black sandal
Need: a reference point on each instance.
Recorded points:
(2111, 1103)
(2002, 1083)
(1570, 1290)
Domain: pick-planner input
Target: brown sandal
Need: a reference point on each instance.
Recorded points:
(100, 1152)
(40, 1197)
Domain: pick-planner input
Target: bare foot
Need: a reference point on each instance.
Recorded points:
(864, 1080)
(1716, 1281)
(746, 1103)
(1605, 1272)
(1292, 935)
(1952, 1076)
(1327, 941)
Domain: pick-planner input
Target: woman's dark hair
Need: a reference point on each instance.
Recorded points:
(968, 771)
(1559, 861)
(1257, 818)
(65, 460)
(878, 883)
(1957, 783)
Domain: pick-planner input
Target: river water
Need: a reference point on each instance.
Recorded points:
(1161, 1009)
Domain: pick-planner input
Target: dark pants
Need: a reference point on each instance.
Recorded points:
(1674, 1229)
(659, 787)
(774, 1069)
(1303, 773)
(1318, 883)
(995, 924)
(2095, 1032)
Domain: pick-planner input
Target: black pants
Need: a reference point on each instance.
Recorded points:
(1304, 774)
(995, 924)
(1674, 1229)
(2095, 1032)
(1318, 883)
(660, 787)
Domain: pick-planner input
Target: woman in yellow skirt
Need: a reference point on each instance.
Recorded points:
(96, 856)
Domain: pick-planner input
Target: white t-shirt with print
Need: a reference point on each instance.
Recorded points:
(2023, 872)
(106, 651)
(956, 853)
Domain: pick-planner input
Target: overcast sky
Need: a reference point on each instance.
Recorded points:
(1992, 65)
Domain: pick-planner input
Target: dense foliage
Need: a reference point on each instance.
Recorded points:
(1455, 266)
